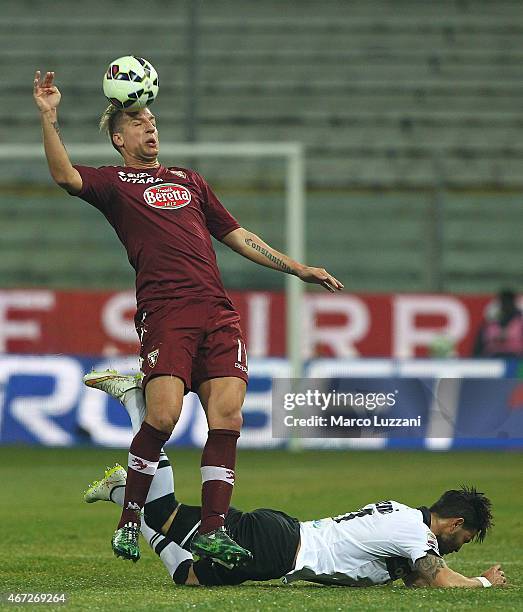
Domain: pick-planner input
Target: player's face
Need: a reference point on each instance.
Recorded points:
(453, 539)
(139, 136)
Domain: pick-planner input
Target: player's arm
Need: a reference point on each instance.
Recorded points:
(254, 248)
(432, 571)
(47, 98)
(414, 580)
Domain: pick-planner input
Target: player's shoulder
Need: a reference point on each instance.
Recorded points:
(400, 506)
(414, 524)
(406, 513)
(99, 175)
(414, 520)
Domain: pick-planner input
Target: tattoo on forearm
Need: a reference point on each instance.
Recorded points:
(275, 260)
(57, 130)
(429, 566)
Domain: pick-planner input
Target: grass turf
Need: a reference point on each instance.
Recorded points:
(53, 542)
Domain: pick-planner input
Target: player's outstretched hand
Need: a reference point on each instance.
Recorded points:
(320, 276)
(45, 93)
(495, 575)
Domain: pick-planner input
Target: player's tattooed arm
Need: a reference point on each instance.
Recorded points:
(47, 98)
(57, 130)
(414, 580)
(254, 248)
(432, 571)
(428, 567)
(277, 260)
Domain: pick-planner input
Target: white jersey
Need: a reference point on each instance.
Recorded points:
(377, 544)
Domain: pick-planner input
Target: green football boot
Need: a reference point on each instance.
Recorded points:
(220, 548)
(125, 542)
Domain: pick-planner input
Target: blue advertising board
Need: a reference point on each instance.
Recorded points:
(43, 402)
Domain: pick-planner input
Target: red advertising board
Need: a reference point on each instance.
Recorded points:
(341, 325)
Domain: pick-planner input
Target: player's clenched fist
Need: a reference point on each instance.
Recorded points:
(45, 93)
(495, 575)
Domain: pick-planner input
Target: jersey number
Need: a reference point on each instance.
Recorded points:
(351, 515)
(383, 507)
(242, 352)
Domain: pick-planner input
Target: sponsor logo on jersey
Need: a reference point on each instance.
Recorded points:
(179, 173)
(138, 178)
(152, 357)
(241, 367)
(168, 195)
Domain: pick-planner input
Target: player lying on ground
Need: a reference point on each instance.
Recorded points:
(379, 543)
(188, 328)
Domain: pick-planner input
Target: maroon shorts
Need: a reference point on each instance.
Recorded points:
(192, 338)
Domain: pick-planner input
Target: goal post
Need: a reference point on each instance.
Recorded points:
(293, 155)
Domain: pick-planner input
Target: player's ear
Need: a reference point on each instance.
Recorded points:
(457, 523)
(118, 139)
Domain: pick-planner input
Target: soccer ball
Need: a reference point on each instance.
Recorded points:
(130, 83)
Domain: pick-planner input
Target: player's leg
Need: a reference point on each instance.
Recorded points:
(125, 388)
(271, 535)
(164, 397)
(222, 400)
(219, 376)
(159, 510)
(169, 334)
(161, 504)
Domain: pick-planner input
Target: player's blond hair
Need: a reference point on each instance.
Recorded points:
(110, 122)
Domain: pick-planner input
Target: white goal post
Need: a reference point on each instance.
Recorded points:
(293, 155)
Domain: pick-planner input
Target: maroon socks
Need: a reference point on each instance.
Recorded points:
(217, 468)
(144, 455)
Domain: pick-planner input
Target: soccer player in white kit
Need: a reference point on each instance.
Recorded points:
(379, 543)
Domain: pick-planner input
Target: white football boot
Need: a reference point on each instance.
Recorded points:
(113, 383)
(100, 490)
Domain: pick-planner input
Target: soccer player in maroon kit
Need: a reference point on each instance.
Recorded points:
(188, 328)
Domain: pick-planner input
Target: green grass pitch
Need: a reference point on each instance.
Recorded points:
(53, 542)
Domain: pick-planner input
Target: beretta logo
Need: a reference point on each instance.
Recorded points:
(167, 195)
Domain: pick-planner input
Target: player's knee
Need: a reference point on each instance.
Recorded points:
(157, 512)
(235, 421)
(162, 421)
(164, 398)
(163, 416)
(229, 418)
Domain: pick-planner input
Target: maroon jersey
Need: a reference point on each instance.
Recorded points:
(164, 217)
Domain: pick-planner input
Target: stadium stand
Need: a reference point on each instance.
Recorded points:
(401, 105)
